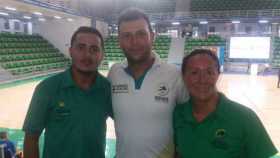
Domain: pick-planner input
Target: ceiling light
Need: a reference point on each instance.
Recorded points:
(42, 19)
(235, 21)
(27, 17)
(10, 8)
(175, 23)
(69, 19)
(37, 13)
(3, 13)
(263, 21)
(57, 17)
(203, 22)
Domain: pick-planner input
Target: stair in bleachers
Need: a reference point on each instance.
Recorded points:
(113, 52)
(161, 46)
(22, 54)
(176, 52)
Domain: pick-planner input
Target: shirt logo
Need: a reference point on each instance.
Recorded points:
(120, 88)
(162, 91)
(219, 140)
(220, 133)
(61, 104)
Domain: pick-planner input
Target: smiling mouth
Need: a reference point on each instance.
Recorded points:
(86, 62)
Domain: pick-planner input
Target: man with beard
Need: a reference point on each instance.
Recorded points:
(144, 92)
(72, 107)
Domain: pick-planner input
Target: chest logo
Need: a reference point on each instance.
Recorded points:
(162, 89)
(220, 133)
(120, 88)
(219, 140)
(61, 104)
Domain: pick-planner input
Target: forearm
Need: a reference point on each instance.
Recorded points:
(31, 147)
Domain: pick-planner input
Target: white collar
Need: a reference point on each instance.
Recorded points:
(156, 63)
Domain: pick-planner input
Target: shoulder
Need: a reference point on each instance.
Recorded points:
(116, 66)
(170, 68)
(180, 108)
(180, 112)
(167, 72)
(115, 71)
(51, 82)
(240, 112)
(104, 81)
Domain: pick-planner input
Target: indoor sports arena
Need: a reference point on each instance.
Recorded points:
(244, 35)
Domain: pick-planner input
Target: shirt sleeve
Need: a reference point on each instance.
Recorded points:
(110, 106)
(35, 119)
(182, 94)
(258, 143)
(109, 77)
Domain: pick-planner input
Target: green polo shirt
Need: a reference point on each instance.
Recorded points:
(74, 120)
(231, 131)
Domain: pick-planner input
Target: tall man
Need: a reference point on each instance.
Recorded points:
(72, 107)
(144, 92)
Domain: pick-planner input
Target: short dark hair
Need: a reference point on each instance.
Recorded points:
(3, 135)
(200, 52)
(132, 14)
(86, 29)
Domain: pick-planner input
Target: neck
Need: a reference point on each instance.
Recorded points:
(83, 79)
(202, 108)
(138, 69)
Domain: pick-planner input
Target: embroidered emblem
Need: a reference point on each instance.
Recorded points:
(162, 89)
(220, 133)
(61, 104)
(219, 139)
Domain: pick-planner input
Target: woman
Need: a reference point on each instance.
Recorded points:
(209, 124)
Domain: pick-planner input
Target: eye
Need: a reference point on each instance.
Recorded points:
(211, 72)
(141, 33)
(125, 35)
(193, 72)
(80, 46)
(94, 49)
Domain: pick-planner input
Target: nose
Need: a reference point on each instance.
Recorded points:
(87, 51)
(203, 77)
(133, 39)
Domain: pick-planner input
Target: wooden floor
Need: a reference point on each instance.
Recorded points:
(257, 92)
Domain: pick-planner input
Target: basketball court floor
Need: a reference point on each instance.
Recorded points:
(257, 92)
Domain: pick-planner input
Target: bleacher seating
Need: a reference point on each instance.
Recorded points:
(23, 54)
(275, 59)
(213, 40)
(113, 53)
(220, 5)
(162, 46)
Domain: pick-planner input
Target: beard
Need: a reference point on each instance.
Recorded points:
(85, 71)
(135, 58)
